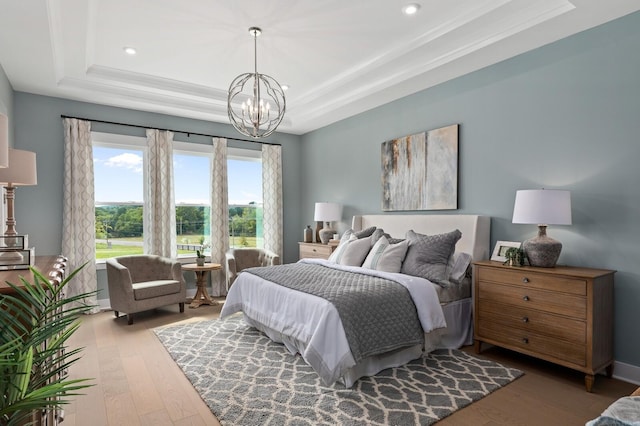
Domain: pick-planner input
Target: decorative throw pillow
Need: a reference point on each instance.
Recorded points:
(359, 234)
(379, 232)
(351, 252)
(429, 255)
(386, 257)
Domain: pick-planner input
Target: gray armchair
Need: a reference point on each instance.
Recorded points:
(142, 282)
(242, 258)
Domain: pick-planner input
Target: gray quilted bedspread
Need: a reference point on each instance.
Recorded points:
(378, 315)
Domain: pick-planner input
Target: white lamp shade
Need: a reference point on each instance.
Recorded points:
(327, 212)
(21, 170)
(4, 141)
(542, 207)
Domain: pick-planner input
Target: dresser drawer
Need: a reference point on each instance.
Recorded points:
(530, 320)
(534, 280)
(319, 251)
(551, 348)
(530, 298)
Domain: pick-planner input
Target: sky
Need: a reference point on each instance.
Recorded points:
(118, 178)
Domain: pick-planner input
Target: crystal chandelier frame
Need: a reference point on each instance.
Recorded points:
(256, 103)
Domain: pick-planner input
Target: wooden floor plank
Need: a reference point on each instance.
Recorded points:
(129, 360)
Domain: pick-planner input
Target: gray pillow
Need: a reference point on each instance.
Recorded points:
(428, 255)
(359, 234)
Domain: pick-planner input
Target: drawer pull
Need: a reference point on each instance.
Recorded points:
(525, 280)
(525, 319)
(525, 340)
(525, 298)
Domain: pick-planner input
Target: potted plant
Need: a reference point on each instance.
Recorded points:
(36, 323)
(515, 256)
(200, 258)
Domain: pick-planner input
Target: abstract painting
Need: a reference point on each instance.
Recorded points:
(420, 172)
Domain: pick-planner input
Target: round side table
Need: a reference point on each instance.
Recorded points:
(202, 297)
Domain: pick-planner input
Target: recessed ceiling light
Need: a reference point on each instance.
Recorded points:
(411, 9)
(285, 86)
(129, 50)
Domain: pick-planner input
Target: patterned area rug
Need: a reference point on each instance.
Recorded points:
(246, 379)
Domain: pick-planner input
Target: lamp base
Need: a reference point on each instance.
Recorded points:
(542, 251)
(326, 234)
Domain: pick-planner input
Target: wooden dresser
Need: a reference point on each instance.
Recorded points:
(562, 314)
(317, 250)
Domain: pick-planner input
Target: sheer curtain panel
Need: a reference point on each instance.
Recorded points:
(272, 197)
(78, 210)
(159, 207)
(219, 213)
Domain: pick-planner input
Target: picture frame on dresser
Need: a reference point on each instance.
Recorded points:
(500, 249)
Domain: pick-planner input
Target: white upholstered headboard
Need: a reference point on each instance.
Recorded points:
(476, 230)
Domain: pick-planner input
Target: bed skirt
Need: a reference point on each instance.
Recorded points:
(459, 332)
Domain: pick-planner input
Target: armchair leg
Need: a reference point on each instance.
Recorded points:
(117, 314)
(129, 319)
(181, 304)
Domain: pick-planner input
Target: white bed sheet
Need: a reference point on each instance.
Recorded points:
(311, 325)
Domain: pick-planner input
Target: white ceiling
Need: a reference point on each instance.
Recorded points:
(340, 57)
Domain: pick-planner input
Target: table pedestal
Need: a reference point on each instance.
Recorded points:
(201, 297)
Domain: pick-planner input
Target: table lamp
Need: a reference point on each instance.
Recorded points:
(542, 207)
(21, 172)
(326, 212)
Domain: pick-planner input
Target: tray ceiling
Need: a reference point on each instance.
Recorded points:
(339, 57)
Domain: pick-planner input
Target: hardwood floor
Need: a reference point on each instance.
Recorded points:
(137, 382)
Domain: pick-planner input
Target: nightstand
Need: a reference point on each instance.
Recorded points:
(563, 314)
(317, 250)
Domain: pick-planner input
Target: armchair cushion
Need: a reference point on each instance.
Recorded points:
(151, 289)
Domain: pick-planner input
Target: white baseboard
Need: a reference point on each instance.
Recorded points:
(627, 372)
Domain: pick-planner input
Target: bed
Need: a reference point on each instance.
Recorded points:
(312, 326)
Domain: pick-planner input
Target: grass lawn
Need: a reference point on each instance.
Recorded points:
(104, 252)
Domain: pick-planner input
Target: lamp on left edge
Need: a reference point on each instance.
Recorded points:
(21, 172)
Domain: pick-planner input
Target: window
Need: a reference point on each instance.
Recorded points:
(118, 189)
(192, 186)
(119, 195)
(244, 169)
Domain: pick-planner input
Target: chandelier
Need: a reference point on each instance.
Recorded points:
(256, 102)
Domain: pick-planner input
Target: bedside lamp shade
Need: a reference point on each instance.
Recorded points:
(542, 207)
(326, 212)
(21, 172)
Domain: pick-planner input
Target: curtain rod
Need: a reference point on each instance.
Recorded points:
(169, 130)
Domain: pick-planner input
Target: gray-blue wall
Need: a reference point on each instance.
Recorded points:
(6, 101)
(566, 116)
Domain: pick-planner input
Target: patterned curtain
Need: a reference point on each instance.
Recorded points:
(78, 211)
(219, 213)
(272, 197)
(159, 205)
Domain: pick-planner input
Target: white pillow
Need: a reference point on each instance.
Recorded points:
(386, 257)
(351, 252)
